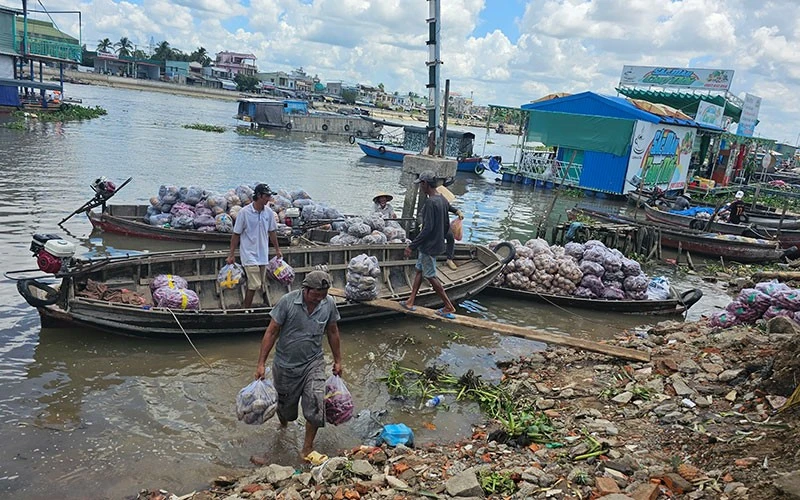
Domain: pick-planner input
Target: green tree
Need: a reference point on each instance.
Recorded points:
(87, 58)
(139, 54)
(246, 83)
(349, 96)
(124, 47)
(200, 55)
(380, 87)
(163, 51)
(105, 45)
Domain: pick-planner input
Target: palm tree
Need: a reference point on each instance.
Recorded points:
(163, 51)
(200, 55)
(104, 45)
(124, 47)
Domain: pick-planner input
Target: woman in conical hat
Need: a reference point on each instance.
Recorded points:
(382, 205)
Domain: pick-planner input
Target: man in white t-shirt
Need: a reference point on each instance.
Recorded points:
(253, 231)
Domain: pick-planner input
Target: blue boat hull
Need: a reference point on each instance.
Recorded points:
(376, 149)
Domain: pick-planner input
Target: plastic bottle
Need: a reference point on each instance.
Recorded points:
(434, 401)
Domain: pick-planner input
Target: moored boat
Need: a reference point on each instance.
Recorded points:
(673, 219)
(294, 115)
(392, 152)
(220, 312)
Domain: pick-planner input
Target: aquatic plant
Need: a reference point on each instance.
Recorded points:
(204, 127)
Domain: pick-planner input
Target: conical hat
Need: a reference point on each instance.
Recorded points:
(375, 198)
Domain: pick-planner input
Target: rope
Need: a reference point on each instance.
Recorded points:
(572, 312)
(190, 340)
(48, 15)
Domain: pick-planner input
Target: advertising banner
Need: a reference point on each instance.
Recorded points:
(660, 155)
(750, 109)
(687, 78)
(709, 114)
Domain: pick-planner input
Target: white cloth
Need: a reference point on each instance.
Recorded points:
(254, 228)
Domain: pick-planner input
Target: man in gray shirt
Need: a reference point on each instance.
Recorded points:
(299, 321)
(429, 243)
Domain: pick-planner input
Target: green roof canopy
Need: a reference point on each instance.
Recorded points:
(46, 30)
(682, 101)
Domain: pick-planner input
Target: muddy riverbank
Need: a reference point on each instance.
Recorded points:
(700, 420)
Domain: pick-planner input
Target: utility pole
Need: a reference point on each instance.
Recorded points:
(434, 62)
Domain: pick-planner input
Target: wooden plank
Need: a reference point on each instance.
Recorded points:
(779, 275)
(513, 330)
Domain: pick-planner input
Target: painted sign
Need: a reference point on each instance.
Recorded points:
(750, 109)
(687, 78)
(660, 156)
(709, 114)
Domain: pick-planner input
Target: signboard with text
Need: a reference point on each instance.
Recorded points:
(750, 109)
(687, 78)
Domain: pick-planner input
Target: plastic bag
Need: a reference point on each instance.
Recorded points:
(338, 401)
(280, 270)
(181, 298)
(658, 288)
(169, 280)
(257, 402)
(457, 226)
(363, 272)
(574, 250)
(230, 276)
(223, 223)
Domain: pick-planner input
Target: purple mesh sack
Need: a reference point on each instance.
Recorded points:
(589, 267)
(169, 280)
(771, 287)
(635, 283)
(755, 299)
(743, 312)
(280, 270)
(775, 311)
(584, 293)
(594, 284)
(631, 267)
(181, 298)
(613, 293)
(723, 319)
(574, 250)
(789, 299)
(338, 401)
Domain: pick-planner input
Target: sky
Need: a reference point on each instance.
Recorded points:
(506, 52)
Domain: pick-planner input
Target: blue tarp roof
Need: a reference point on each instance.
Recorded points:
(590, 103)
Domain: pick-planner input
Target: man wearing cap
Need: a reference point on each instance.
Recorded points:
(253, 231)
(429, 243)
(299, 321)
(736, 208)
(383, 207)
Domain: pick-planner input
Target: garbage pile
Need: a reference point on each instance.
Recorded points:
(766, 300)
(172, 292)
(369, 230)
(588, 270)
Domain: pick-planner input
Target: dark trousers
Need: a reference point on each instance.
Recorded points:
(450, 245)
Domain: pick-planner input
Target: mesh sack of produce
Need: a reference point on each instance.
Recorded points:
(280, 270)
(796, 316)
(594, 254)
(151, 211)
(522, 251)
(359, 230)
(283, 230)
(375, 222)
(637, 283)
(594, 284)
(340, 226)
(303, 203)
(771, 287)
(591, 267)
(338, 401)
(562, 285)
(755, 299)
(637, 295)
(613, 263)
(168, 194)
(457, 228)
(230, 276)
(743, 312)
(182, 208)
(574, 250)
(558, 252)
(234, 211)
(206, 229)
(180, 298)
(245, 194)
(362, 275)
(217, 201)
(630, 267)
(374, 238)
(154, 201)
(160, 219)
(394, 233)
(281, 202)
(594, 244)
(542, 280)
(524, 266)
(723, 319)
(168, 280)
(615, 278)
(545, 262)
(584, 293)
(165, 208)
(339, 239)
(285, 194)
(775, 311)
(232, 198)
(183, 222)
(191, 195)
(332, 213)
(205, 221)
(539, 246)
(223, 223)
(299, 194)
(517, 281)
(201, 210)
(257, 402)
(568, 269)
(613, 293)
(658, 288)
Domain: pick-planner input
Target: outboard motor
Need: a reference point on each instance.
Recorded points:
(103, 188)
(53, 254)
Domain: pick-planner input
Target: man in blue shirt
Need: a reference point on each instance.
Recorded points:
(253, 231)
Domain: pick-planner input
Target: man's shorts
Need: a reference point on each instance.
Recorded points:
(305, 384)
(427, 264)
(256, 277)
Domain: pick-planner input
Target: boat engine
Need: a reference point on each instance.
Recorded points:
(53, 254)
(292, 218)
(103, 188)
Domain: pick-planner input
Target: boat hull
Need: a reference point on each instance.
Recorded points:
(390, 152)
(664, 217)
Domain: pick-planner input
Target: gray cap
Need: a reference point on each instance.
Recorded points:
(317, 279)
(427, 176)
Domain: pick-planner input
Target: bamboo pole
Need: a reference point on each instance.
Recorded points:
(779, 275)
(512, 330)
(689, 260)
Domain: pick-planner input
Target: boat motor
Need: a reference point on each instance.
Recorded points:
(53, 254)
(292, 217)
(103, 188)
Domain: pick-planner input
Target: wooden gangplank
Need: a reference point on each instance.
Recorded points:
(512, 330)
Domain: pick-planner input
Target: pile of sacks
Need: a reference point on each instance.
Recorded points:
(172, 292)
(589, 270)
(369, 230)
(766, 300)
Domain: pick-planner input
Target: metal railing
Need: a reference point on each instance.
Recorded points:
(542, 168)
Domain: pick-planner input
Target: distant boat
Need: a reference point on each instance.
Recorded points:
(459, 147)
(294, 115)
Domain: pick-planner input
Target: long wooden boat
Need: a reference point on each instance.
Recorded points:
(730, 247)
(392, 152)
(673, 219)
(676, 304)
(129, 220)
(220, 311)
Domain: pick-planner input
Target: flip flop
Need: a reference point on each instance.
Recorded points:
(446, 315)
(315, 458)
(407, 307)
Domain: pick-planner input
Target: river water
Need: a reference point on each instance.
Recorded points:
(95, 415)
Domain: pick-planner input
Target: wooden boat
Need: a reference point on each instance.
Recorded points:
(672, 219)
(392, 152)
(220, 311)
(730, 247)
(129, 220)
(676, 304)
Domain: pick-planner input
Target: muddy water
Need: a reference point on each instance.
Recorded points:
(91, 414)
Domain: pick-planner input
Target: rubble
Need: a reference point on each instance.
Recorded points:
(699, 421)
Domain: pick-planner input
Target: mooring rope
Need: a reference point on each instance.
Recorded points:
(189, 339)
